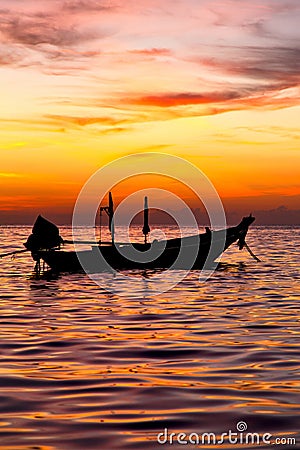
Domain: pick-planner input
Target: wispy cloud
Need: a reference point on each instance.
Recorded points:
(84, 121)
(136, 53)
(11, 175)
(269, 64)
(55, 33)
(86, 6)
(105, 125)
(151, 51)
(38, 29)
(170, 105)
(182, 98)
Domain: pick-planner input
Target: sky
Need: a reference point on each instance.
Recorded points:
(85, 81)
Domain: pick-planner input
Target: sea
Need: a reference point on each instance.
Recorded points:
(204, 364)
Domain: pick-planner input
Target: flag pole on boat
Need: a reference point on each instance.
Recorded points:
(111, 217)
(146, 228)
(110, 212)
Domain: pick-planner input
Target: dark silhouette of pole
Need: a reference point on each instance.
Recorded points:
(146, 228)
(110, 212)
(111, 216)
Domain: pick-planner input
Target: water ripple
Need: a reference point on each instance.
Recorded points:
(84, 369)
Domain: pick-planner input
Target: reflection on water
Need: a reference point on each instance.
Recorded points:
(84, 369)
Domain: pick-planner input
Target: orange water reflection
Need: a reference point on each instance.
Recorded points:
(83, 369)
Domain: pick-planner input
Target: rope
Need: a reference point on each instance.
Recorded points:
(14, 253)
(251, 252)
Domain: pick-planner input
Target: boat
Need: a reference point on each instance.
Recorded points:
(191, 252)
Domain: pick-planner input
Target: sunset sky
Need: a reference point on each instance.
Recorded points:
(85, 81)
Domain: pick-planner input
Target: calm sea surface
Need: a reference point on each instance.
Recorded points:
(82, 368)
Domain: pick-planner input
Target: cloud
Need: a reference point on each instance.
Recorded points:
(115, 130)
(64, 54)
(48, 38)
(85, 6)
(276, 64)
(9, 56)
(280, 132)
(84, 121)
(278, 216)
(168, 106)
(35, 30)
(271, 64)
(182, 99)
(214, 74)
(264, 77)
(63, 123)
(106, 124)
(151, 51)
(11, 175)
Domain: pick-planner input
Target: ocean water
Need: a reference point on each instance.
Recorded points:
(82, 368)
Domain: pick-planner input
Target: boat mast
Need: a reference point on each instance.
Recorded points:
(110, 212)
(146, 228)
(111, 217)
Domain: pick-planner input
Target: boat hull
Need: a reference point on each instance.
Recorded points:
(183, 253)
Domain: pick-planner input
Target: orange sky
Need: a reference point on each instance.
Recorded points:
(86, 81)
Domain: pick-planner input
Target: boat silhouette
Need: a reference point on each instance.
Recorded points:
(191, 252)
